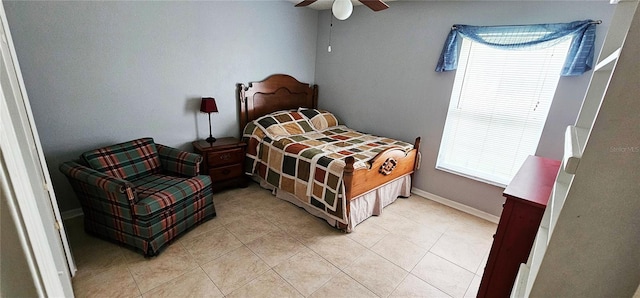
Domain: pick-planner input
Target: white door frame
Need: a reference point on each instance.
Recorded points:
(25, 181)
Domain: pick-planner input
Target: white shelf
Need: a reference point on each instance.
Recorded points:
(593, 98)
(558, 196)
(553, 251)
(546, 216)
(564, 178)
(540, 246)
(572, 152)
(535, 258)
(607, 63)
(582, 134)
(520, 285)
(574, 140)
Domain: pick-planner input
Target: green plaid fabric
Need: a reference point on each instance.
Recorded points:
(198, 207)
(147, 212)
(84, 174)
(170, 228)
(99, 191)
(157, 192)
(128, 160)
(178, 162)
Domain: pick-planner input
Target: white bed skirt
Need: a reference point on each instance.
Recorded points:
(362, 207)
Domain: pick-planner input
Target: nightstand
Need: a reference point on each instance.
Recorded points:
(223, 162)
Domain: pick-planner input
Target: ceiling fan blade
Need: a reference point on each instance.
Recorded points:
(375, 5)
(305, 3)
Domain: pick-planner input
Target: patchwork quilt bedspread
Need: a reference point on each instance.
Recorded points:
(290, 153)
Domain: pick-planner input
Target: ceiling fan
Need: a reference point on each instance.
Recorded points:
(342, 9)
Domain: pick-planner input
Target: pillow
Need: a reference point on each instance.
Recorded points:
(284, 123)
(320, 119)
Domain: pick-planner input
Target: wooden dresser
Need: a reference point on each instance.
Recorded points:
(223, 162)
(526, 198)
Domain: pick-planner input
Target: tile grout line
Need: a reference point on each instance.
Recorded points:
(305, 245)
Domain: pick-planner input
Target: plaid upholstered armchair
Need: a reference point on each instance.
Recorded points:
(140, 194)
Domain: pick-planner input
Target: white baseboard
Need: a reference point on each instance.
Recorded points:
(456, 205)
(71, 213)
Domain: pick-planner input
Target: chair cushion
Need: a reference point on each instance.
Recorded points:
(157, 193)
(127, 161)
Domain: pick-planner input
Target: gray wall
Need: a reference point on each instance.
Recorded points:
(100, 72)
(380, 77)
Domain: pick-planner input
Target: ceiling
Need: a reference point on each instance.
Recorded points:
(326, 4)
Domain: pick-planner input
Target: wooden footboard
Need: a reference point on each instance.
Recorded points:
(385, 167)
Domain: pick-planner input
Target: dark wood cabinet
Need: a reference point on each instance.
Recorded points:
(526, 199)
(223, 162)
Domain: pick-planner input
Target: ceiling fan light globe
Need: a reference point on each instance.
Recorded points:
(342, 9)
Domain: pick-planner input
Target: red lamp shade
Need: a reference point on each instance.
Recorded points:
(208, 105)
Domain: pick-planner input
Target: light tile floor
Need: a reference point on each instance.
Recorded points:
(260, 246)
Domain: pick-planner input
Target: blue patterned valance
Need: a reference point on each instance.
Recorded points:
(579, 58)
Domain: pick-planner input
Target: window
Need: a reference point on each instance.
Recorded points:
(498, 108)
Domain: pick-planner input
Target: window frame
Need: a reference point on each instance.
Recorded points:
(443, 163)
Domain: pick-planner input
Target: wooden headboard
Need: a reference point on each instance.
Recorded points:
(277, 92)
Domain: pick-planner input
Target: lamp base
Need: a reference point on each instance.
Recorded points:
(211, 139)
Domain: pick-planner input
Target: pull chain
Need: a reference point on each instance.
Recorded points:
(330, 29)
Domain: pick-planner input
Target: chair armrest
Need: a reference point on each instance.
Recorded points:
(108, 187)
(179, 162)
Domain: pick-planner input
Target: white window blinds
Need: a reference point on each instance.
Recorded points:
(498, 108)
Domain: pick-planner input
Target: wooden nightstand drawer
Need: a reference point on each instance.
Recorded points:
(225, 173)
(223, 162)
(225, 157)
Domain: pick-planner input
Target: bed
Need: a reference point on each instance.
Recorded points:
(309, 158)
